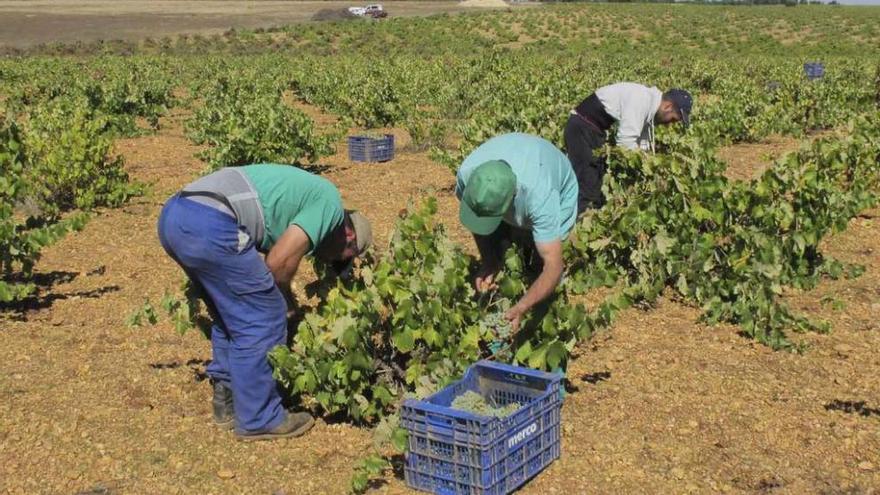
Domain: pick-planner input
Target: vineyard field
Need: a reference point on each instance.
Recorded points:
(718, 323)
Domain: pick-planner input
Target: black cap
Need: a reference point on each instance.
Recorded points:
(683, 102)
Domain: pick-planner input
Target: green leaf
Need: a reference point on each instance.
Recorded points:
(339, 326)
(400, 439)
(350, 338)
(306, 382)
(599, 244)
(382, 394)
(374, 464)
(359, 482)
(538, 358)
(664, 242)
(556, 354)
(404, 340)
(523, 353)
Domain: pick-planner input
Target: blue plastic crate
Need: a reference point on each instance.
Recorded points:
(814, 70)
(370, 149)
(454, 452)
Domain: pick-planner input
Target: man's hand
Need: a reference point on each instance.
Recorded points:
(514, 316)
(484, 281)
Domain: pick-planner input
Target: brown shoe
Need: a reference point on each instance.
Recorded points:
(294, 425)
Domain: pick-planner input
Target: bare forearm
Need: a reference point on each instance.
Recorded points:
(283, 270)
(284, 258)
(543, 286)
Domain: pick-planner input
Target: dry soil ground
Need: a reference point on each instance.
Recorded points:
(659, 402)
(30, 22)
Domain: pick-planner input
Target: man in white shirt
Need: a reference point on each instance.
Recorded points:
(636, 109)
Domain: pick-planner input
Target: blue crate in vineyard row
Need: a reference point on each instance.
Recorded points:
(370, 148)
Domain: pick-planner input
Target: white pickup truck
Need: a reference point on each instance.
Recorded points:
(374, 10)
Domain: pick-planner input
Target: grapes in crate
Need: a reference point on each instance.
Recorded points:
(475, 403)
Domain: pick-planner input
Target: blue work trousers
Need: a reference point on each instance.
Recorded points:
(249, 310)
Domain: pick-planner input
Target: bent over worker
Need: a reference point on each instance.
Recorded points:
(214, 229)
(521, 188)
(636, 109)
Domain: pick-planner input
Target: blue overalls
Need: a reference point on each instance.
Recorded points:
(215, 253)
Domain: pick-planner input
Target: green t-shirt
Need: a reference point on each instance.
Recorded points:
(292, 196)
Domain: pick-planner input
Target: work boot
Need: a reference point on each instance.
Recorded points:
(224, 413)
(294, 425)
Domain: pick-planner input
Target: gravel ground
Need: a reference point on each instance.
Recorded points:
(659, 403)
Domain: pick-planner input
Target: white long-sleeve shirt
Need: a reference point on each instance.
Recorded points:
(634, 107)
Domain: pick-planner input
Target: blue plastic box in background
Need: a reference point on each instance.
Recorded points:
(814, 70)
(371, 149)
(453, 452)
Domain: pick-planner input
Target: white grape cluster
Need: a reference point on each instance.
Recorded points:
(473, 402)
(499, 325)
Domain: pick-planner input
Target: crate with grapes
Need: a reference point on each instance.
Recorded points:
(488, 433)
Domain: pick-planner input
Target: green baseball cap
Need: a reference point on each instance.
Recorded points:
(487, 197)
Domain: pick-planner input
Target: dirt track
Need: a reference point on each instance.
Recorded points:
(25, 23)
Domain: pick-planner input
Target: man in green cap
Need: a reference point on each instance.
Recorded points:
(517, 186)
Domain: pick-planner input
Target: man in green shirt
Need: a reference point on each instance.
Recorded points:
(518, 187)
(214, 229)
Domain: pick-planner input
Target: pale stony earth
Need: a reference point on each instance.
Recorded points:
(26, 23)
(659, 403)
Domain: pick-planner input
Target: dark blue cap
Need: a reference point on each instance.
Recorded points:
(683, 102)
